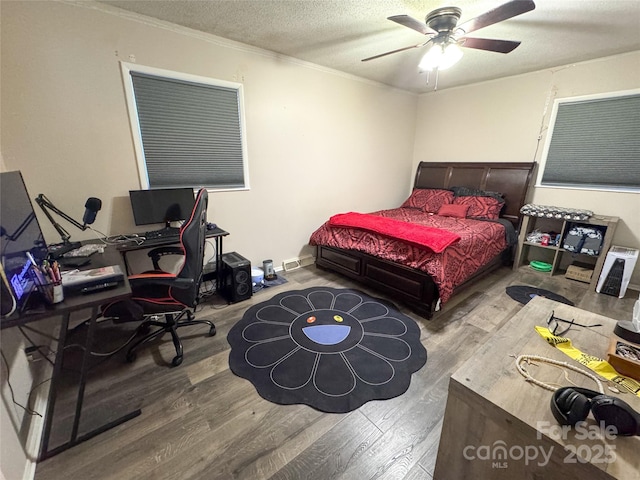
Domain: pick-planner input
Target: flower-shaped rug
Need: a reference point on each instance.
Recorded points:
(332, 349)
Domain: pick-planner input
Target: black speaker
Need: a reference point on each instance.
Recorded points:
(236, 277)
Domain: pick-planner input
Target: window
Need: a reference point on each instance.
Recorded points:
(188, 131)
(594, 143)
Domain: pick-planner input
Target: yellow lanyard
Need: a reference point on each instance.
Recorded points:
(598, 365)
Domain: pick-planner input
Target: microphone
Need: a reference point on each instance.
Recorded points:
(92, 206)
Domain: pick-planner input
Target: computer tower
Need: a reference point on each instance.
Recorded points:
(613, 281)
(617, 270)
(236, 278)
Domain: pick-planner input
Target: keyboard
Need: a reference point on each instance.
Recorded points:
(58, 250)
(163, 233)
(150, 239)
(161, 241)
(86, 250)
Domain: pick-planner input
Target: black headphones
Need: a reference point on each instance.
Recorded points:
(571, 405)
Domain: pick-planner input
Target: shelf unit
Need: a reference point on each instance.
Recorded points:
(555, 252)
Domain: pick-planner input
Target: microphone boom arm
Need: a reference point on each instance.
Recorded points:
(45, 204)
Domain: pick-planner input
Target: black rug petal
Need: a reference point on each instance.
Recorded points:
(332, 349)
(524, 293)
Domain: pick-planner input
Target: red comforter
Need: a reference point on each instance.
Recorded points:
(435, 239)
(480, 241)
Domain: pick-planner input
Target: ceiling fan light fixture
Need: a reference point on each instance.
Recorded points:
(440, 56)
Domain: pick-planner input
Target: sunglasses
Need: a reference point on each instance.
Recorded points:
(560, 326)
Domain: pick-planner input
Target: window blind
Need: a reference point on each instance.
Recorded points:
(191, 132)
(595, 144)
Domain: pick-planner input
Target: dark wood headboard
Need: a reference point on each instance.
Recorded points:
(510, 179)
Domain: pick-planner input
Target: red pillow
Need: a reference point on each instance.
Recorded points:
(428, 199)
(453, 210)
(482, 207)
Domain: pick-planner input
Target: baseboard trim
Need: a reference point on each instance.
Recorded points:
(634, 287)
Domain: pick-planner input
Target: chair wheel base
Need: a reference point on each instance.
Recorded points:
(176, 361)
(212, 331)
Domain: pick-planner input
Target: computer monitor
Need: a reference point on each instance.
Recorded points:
(21, 239)
(163, 205)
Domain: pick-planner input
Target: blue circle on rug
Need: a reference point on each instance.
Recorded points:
(332, 349)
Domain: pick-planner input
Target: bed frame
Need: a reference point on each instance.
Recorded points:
(414, 287)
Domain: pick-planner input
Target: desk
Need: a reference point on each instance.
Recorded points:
(217, 234)
(491, 408)
(73, 303)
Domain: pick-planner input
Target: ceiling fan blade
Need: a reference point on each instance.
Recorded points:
(500, 46)
(395, 51)
(498, 14)
(411, 22)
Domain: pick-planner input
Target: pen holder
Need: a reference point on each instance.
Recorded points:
(48, 281)
(51, 292)
(58, 293)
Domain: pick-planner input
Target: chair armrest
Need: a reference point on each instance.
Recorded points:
(157, 253)
(165, 251)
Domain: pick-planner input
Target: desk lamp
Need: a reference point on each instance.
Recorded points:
(92, 206)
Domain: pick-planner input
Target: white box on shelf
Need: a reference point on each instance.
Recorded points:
(616, 271)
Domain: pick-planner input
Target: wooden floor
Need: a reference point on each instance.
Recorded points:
(200, 421)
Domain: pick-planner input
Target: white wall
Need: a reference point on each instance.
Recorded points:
(311, 132)
(502, 121)
(319, 142)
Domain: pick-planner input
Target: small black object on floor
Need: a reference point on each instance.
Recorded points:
(332, 349)
(524, 293)
(266, 283)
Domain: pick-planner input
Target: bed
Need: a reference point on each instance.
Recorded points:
(425, 277)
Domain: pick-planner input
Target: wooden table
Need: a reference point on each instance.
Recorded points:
(498, 425)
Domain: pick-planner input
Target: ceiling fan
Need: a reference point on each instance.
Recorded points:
(446, 36)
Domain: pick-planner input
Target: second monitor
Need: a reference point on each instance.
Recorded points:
(164, 205)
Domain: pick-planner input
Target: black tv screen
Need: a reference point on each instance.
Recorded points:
(21, 238)
(162, 205)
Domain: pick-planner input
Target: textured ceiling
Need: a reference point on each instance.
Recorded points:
(339, 33)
